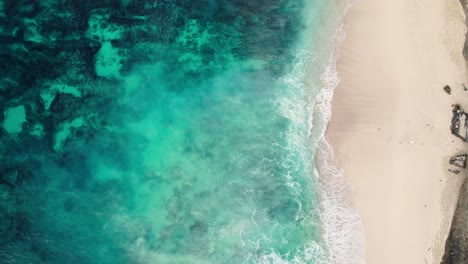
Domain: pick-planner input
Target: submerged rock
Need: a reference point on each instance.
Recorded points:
(459, 161)
(459, 124)
(456, 246)
(447, 89)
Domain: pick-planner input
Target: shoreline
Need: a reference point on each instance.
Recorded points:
(341, 225)
(390, 124)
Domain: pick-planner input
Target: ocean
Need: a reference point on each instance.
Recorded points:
(171, 131)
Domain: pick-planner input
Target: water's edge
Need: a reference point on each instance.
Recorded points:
(343, 228)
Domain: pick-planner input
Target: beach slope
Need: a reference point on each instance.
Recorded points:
(390, 125)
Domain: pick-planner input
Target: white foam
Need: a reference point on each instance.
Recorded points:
(343, 230)
(342, 227)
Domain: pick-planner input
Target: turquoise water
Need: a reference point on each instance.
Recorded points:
(159, 132)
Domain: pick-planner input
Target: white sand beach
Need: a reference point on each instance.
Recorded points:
(390, 125)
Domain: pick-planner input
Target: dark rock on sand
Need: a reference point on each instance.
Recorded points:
(447, 89)
(454, 171)
(456, 247)
(459, 161)
(459, 124)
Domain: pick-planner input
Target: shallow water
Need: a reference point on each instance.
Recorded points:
(158, 132)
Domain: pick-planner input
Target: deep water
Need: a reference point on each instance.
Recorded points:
(159, 131)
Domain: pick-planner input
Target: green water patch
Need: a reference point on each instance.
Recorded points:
(38, 130)
(108, 62)
(65, 132)
(14, 119)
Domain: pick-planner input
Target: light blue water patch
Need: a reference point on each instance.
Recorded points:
(38, 130)
(108, 62)
(65, 131)
(14, 119)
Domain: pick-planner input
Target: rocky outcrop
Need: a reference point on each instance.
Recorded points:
(456, 247)
(459, 161)
(459, 125)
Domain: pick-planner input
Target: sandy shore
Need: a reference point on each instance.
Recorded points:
(390, 124)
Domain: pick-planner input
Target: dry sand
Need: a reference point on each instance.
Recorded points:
(390, 125)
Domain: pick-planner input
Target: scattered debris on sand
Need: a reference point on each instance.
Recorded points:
(447, 89)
